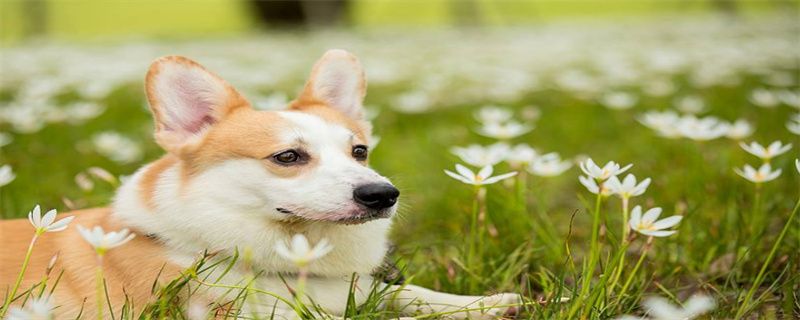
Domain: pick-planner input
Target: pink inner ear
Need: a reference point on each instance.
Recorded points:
(189, 103)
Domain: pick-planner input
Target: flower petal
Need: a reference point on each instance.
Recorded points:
(60, 224)
(667, 223)
(651, 215)
(465, 172)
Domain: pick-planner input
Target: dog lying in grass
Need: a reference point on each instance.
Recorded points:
(237, 178)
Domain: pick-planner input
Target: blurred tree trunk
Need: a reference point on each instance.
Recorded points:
(36, 18)
(465, 12)
(300, 13)
(727, 7)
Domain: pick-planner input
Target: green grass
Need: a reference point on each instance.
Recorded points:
(543, 224)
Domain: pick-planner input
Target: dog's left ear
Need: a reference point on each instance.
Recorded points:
(337, 80)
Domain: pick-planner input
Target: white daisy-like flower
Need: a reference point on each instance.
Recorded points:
(793, 125)
(774, 149)
(764, 98)
(480, 156)
(602, 173)
(549, 165)
(521, 155)
(740, 129)
(5, 139)
(661, 309)
(701, 129)
(102, 241)
(504, 131)
(34, 309)
(483, 177)
(493, 114)
(593, 187)
(790, 98)
(663, 123)
(300, 252)
(117, 147)
(649, 225)
(619, 100)
(628, 187)
(763, 174)
(690, 104)
(6, 175)
(47, 223)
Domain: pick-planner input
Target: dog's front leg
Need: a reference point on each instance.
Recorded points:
(415, 300)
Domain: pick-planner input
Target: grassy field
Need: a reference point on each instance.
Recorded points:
(538, 235)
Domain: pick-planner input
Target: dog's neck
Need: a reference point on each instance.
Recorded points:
(188, 217)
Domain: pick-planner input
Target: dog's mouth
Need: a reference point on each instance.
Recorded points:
(358, 216)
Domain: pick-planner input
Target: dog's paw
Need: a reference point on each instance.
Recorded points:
(495, 306)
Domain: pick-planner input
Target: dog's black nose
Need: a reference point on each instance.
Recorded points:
(376, 195)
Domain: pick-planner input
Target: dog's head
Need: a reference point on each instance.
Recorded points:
(306, 163)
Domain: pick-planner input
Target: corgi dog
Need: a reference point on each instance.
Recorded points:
(234, 177)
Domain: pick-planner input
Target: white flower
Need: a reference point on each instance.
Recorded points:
(794, 124)
(664, 123)
(83, 182)
(79, 112)
(608, 170)
(300, 252)
(549, 165)
(102, 174)
(481, 156)
(797, 164)
(593, 187)
(34, 309)
(619, 100)
(102, 241)
(416, 101)
(5, 139)
(661, 309)
(701, 129)
(520, 155)
(6, 175)
(774, 149)
(627, 187)
(504, 131)
(740, 129)
(649, 225)
(483, 177)
(790, 98)
(117, 147)
(690, 104)
(531, 113)
(493, 114)
(764, 98)
(763, 174)
(47, 223)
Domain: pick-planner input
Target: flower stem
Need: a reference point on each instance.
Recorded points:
(745, 306)
(474, 238)
(624, 289)
(302, 276)
(99, 286)
(623, 246)
(7, 303)
(594, 255)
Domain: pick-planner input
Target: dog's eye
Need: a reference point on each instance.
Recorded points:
(286, 157)
(360, 152)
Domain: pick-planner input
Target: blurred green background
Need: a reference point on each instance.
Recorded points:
(87, 19)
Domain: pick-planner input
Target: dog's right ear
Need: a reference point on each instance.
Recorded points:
(186, 101)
